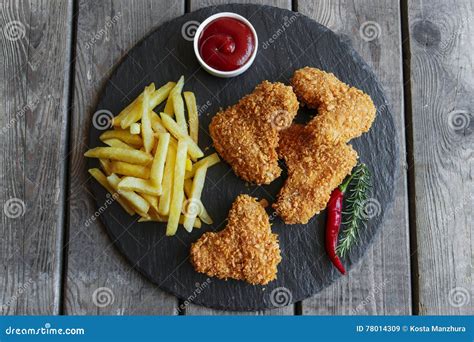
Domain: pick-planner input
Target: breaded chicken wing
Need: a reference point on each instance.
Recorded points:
(245, 250)
(317, 156)
(246, 134)
(344, 112)
(315, 168)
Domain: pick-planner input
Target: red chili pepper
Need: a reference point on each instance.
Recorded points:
(332, 227)
(333, 223)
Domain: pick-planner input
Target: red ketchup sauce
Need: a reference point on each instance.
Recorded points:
(226, 44)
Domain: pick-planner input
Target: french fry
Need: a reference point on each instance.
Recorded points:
(169, 107)
(203, 215)
(189, 164)
(114, 142)
(135, 128)
(121, 154)
(148, 219)
(167, 183)
(178, 184)
(139, 185)
(197, 222)
(102, 180)
(133, 115)
(178, 88)
(188, 185)
(118, 119)
(211, 160)
(193, 118)
(147, 132)
(194, 201)
(154, 216)
(106, 166)
(124, 135)
(132, 111)
(173, 142)
(193, 149)
(158, 165)
(178, 104)
(160, 94)
(135, 112)
(155, 155)
(152, 200)
(127, 169)
(139, 204)
(156, 123)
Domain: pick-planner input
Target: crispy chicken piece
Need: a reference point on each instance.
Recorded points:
(246, 134)
(344, 112)
(245, 250)
(315, 168)
(317, 156)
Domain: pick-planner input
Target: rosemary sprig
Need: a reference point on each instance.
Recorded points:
(353, 218)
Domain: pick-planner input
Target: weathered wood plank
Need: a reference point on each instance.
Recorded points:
(197, 4)
(199, 310)
(106, 30)
(442, 84)
(33, 137)
(380, 283)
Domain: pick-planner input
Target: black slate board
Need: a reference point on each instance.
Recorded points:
(287, 41)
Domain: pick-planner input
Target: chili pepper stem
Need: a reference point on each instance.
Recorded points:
(343, 186)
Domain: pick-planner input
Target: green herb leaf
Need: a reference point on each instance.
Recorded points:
(359, 184)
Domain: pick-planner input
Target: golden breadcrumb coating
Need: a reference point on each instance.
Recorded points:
(315, 168)
(317, 156)
(246, 134)
(245, 250)
(344, 112)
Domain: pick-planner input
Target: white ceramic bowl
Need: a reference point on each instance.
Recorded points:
(211, 70)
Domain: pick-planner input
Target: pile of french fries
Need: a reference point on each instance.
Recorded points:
(153, 162)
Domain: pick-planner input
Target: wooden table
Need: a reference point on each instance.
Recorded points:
(56, 56)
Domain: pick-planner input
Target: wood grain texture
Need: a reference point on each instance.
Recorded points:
(197, 4)
(106, 30)
(200, 310)
(442, 66)
(33, 100)
(380, 284)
